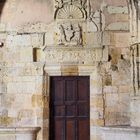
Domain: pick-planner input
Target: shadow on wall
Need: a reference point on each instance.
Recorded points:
(2, 3)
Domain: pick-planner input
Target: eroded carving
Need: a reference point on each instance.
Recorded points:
(95, 20)
(70, 9)
(70, 34)
(81, 56)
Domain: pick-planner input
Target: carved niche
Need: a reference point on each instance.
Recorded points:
(69, 34)
(70, 9)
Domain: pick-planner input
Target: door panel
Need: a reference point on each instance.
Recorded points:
(83, 129)
(69, 103)
(70, 90)
(59, 130)
(70, 130)
(58, 90)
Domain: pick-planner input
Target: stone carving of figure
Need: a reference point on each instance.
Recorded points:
(70, 34)
(78, 34)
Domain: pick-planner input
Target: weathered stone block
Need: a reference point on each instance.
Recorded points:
(23, 87)
(116, 3)
(106, 38)
(135, 112)
(97, 102)
(98, 122)
(37, 40)
(7, 137)
(26, 54)
(50, 38)
(91, 27)
(124, 89)
(90, 39)
(112, 100)
(2, 27)
(37, 100)
(117, 10)
(26, 117)
(18, 40)
(3, 88)
(118, 26)
(7, 121)
(111, 89)
(122, 41)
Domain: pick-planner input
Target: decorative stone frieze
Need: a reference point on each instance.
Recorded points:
(75, 55)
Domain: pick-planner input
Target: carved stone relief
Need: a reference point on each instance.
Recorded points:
(72, 55)
(69, 34)
(70, 9)
(95, 20)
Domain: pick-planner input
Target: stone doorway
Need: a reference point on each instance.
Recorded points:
(95, 88)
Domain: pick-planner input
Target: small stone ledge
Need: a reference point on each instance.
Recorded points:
(18, 133)
(125, 129)
(17, 130)
(119, 133)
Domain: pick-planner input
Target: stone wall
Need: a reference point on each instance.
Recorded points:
(39, 40)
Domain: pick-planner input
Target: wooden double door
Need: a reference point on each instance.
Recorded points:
(69, 105)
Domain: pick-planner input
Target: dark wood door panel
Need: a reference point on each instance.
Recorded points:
(69, 115)
(83, 129)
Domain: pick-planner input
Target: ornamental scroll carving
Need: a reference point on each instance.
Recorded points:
(70, 9)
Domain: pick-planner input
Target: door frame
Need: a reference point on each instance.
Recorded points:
(95, 91)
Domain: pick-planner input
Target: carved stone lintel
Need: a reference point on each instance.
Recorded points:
(72, 55)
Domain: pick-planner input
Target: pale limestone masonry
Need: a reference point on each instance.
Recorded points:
(99, 39)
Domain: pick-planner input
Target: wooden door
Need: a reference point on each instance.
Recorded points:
(69, 104)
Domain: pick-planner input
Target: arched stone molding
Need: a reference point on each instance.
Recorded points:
(70, 12)
(70, 9)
